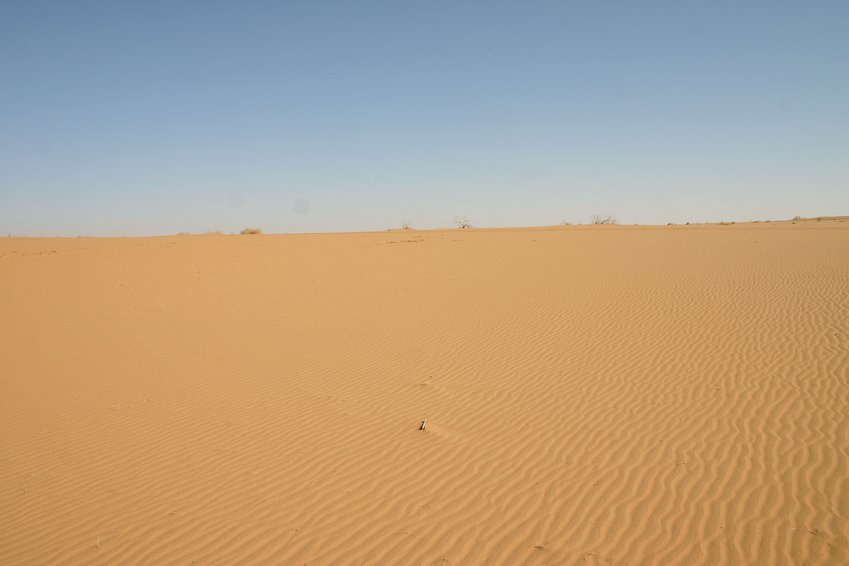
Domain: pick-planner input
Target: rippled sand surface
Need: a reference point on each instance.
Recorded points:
(594, 395)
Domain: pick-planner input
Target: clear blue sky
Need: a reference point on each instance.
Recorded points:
(126, 118)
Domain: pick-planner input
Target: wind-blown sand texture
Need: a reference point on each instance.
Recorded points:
(594, 395)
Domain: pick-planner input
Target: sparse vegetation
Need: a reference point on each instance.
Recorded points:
(251, 231)
(462, 222)
(601, 219)
(406, 226)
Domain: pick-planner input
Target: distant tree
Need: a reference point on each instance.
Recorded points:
(462, 222)
(600, 219)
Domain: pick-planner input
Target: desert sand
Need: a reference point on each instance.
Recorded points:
(594, 395)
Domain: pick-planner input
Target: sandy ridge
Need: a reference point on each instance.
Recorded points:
(628, 396)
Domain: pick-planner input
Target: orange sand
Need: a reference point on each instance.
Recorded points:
(595, 395)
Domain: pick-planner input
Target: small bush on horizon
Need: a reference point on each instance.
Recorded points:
(600, 219)
(251, 231)
(462, 222)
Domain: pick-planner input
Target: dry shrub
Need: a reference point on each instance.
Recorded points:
(600, 219)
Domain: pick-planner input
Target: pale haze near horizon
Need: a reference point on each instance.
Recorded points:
(157, 118)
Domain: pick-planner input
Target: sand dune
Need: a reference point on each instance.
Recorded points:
(594, 395)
